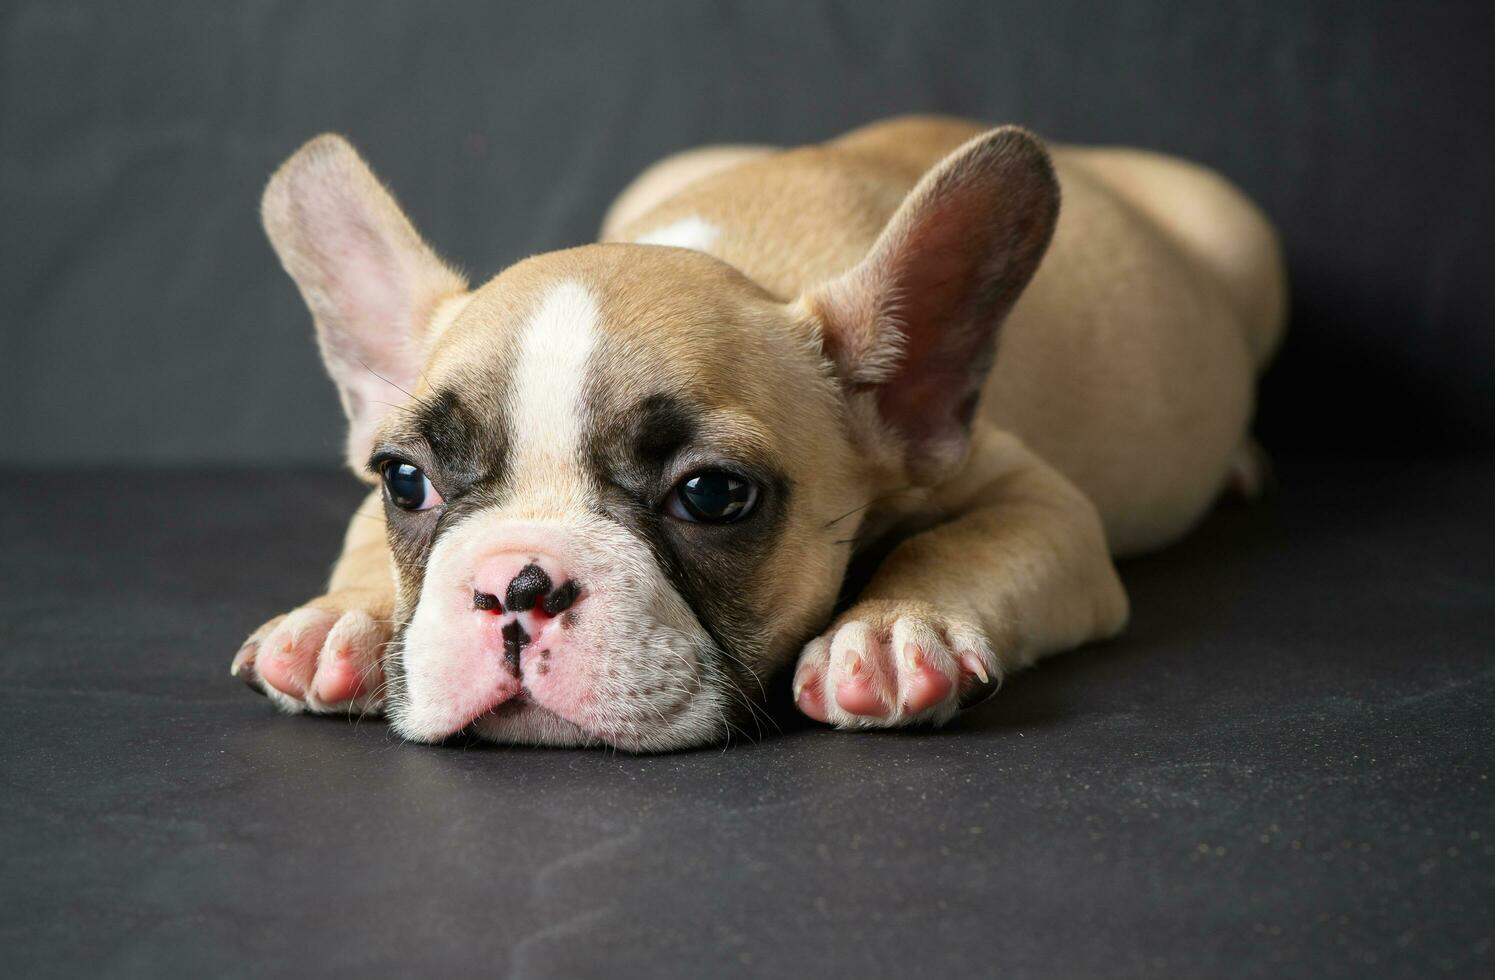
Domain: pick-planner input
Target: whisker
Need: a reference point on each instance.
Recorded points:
(907, 491)
(704, 663)
(740, 696)
(408, 394)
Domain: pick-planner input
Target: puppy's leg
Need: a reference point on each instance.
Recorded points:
(1020, 572)
(326, 655)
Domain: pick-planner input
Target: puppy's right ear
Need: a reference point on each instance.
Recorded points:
(370, 281)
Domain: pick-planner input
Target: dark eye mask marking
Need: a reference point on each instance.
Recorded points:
(462, 431)
(713, 568)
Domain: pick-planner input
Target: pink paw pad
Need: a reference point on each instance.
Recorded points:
(316, 659)
(924, 685)
(857, 695)
(338, 677)
(287, 658)
(812, 702)
(884, 674)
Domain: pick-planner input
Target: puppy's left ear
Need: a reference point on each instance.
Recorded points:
(914, 326)
(371, 282)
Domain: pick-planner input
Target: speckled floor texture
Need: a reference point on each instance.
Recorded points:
(1284, 769)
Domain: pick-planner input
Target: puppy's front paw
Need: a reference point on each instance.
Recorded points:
(323, 657)
(886, 664)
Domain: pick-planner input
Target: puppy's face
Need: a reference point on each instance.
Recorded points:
(611, 503)
(616, 478)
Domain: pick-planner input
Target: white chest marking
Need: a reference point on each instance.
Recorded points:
(692, 233)
(545, 406)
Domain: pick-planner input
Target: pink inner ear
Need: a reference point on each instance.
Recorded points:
(369, 342)
(369, 279)
(362, 280)
(948, 320)
(940, 280)
(373, 346)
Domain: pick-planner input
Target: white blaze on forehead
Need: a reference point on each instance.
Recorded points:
(545, 401)
(692, 232)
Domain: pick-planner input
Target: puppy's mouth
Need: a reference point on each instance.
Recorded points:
(522, 720)
(650, 688)
(509, 709)
(507, 706)
(525, 718)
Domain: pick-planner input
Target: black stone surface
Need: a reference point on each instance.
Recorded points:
(1283, 769)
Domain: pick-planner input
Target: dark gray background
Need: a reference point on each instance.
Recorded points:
(145, 319)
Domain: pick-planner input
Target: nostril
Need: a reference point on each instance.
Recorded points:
(527, 588)
(485, 600)
(561, 599)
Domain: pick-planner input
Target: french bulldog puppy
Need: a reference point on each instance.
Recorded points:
(616, 489)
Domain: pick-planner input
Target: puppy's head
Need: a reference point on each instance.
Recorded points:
(617, 478)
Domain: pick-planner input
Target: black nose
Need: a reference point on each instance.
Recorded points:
(533, 586)
(530, 584)
(561, 599)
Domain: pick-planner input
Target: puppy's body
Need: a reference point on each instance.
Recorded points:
(818, 327)
(1129, 363)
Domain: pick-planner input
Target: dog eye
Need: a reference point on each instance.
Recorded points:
(713, 497)
(408, 487)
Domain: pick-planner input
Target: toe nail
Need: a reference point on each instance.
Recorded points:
(243, 660)
(973, 663)
(853, 664)
(913, 656)
(245, 672)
